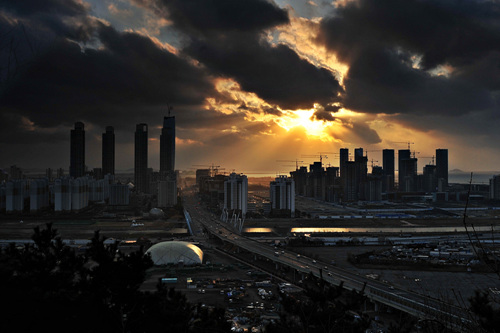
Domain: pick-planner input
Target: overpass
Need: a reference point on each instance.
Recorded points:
(418, 305)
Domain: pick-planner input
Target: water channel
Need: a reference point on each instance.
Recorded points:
(308, 230)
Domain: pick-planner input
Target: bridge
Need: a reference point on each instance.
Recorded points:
(420, 306)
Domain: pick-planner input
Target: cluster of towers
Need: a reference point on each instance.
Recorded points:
(77, 152)
(351, 180)
(164, 183)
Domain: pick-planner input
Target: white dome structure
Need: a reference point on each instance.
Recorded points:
(173, 252)
(156, 213)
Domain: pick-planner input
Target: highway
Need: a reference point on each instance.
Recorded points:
(415, 304)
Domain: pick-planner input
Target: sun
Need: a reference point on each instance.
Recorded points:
(314, 129)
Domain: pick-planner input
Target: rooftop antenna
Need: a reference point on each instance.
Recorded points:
(169, 108)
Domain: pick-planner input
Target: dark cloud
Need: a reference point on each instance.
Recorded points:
(275, 73)
(392, 47)
(58, 18)
(128, 78)
(441, 31)
(227, 37)
(264, 109)
(324, 113)
(221, 16)
(380, 81)
(227, 15)
(365, 133)
(15, 129)
(36, 7)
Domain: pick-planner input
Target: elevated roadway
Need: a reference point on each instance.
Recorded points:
(418, 305)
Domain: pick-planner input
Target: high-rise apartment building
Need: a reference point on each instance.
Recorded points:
(108, 151)
(119, 195)
(408, 175)
(236, 193)
(167, 145)
(350, 184)
(430, 180)
(361, 166)
(442, 166)
(388, 170)
(403, 154)
(141, 158)
(344, 157)
(358, 153)
(16, 195)
(282, 194)
(495, 187)
(167, 190)
(77, 154)
(39, 194)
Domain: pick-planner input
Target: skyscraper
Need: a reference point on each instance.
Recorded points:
(388, 170)
(361, 167)
(407, 171)
(282, 194)
(141, 158)
(77, 154)
(344, 157)
(167, 145)
(429, 182)
(442, 165)
(108, 151)
(358, 154)
(403, 154)
(236, 193)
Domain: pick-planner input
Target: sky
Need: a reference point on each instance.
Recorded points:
(252, 83)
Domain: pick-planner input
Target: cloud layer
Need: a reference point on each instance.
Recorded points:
(397, 49)
(236, 71)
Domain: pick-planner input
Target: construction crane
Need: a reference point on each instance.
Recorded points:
(431, 157)
(406, 142)
(321, 156)
(213, 168)
(296, 162)
(371, 151)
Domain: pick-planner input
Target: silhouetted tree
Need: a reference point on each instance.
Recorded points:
(326, 309)
(46, 286)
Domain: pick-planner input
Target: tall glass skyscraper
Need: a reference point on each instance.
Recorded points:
(388, 169)
(141, 158)
(108, 151)
(167, 145)
(404, 156)
(77, 154)
(442, 165)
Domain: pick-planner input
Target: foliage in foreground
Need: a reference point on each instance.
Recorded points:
(46, 286)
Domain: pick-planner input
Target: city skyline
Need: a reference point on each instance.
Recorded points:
(248, 88)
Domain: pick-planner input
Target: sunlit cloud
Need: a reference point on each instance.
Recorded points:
(187, 142)
(300, 35)
(119, 12)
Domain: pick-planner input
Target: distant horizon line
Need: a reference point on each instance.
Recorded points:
(253, 172)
